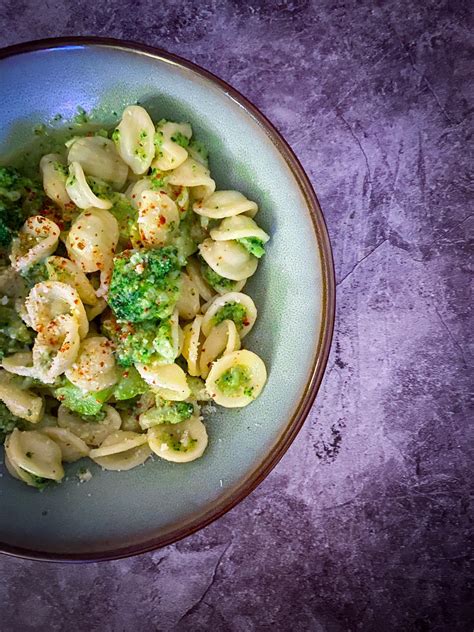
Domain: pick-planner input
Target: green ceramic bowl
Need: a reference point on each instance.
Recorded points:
(119, 514)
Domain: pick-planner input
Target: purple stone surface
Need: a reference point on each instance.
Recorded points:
(364, 524)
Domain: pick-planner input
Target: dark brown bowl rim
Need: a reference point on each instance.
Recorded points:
(327, 322)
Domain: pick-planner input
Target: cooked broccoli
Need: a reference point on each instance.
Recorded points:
(141, 342)
(126, 215)
(130, 385)
(232, 311)
(87, 405)
(14, 334)
(8, 422)
(198, 388)
(36, 273)
(216, 281)
(166, 412)
(19, 198)
(145, 284)
(234, 381)
(100, 188)
(39, 482)
(180, 139)
(253, 245)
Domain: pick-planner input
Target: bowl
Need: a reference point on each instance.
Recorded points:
(119, 514)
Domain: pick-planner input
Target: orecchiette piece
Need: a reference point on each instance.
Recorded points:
(66, 271)
(228, 259)
(223, 339)
(195, 275)
(225, 204)
(169, 379)
(72, 447)
(188, 303)
(14, 470)
(236, 379)
(37, 239)
(91, 243)
(238, 227)
(91, 433)
(99, 158)
(55, 348)
(135, 190)
(80, 192)
(191, 345)
(121, 450)
(35, 453)
(134, 138)
(180, 443)
(158, 216)
(54, 173)
(169, 153)
(20, 363)
(94, 367)
(233, 306)
(21, 402)
(192, 174)
(50, 299)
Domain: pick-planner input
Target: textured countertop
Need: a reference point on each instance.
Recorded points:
(364, 524)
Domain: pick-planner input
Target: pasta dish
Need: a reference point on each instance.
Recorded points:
(122, 311)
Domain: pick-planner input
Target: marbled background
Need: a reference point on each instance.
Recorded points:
(364, 524)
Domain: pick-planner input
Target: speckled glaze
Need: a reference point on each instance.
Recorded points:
(118, 514)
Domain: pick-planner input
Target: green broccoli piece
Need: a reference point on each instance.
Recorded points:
(8, 422)
(166, 412)
(126, 215)
(198, 388)
(253, 245)
(14, 334)
(39, 482)
(216, 281)
(130, 385)
(232, 311)
(140, 342)
(100, 188)
(234, 381)
(87, 405)
(145, 284)
(20, 197)
(180, 139)
(37, 273)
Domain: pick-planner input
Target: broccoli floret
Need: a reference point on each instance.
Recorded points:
(141, 342)
(39, 482)
(100, 188)
(234, 381)
(180, 139)
(145, 284)
(216, 281)
(130, 385)
(232, 311)
(20, 197)
(87, 405)
(166, 412)
(8, 422)
(14, 334)
(253, 245)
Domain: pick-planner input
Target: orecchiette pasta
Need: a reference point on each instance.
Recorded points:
(179, 443)
(169, 153)
(193, 174)
(228, 259)
(94, 368)
(222, 339)
(236, 379)
(121, 450)
(54, 173)
(50, 299)
(65, 271)
(19, 401)
(158, 217)
(233, 306)
(37, 239)
(91, 243)
(80, 191)
(99, 158)
(92, 433)
(134, 138)
(191, 345)
(225, 204)
(126, 313)
(55, 348)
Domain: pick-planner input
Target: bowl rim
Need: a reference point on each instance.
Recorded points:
(323, 344)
